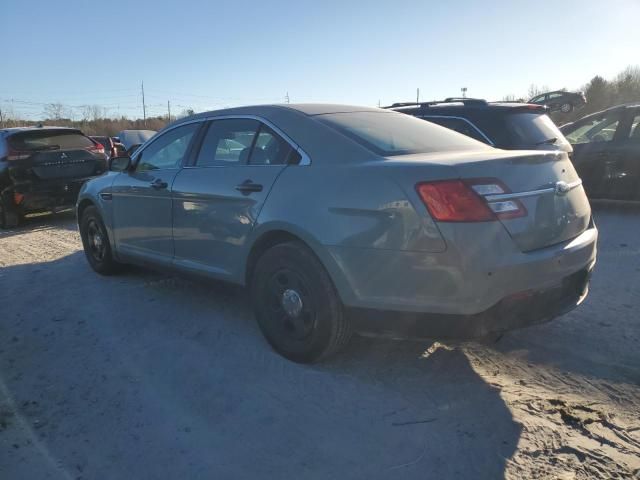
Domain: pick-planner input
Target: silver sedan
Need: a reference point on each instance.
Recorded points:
(342, 219)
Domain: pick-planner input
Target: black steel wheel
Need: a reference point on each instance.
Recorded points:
(95, 242)
(296, 304)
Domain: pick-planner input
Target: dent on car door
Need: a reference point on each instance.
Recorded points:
(216, 201)
(142, 197)
(593, 141)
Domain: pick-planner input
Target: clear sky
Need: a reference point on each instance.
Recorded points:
(211, 54)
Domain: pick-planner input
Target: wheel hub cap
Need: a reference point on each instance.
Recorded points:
(97, 241)
(291, 303)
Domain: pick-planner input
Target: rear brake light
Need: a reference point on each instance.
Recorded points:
(97, 148)
(469, 200)
(17, 155)
(454, 201)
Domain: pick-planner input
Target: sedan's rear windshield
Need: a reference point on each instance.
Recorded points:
(48, 140)
(388, 134)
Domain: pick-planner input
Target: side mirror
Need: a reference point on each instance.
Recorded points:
(120, 164)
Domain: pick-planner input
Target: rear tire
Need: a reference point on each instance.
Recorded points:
(566, 108)
(9, 218)
(95, 242)
(296, 304)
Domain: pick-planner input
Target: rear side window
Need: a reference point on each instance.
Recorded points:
(48, 140)
(270, 149)
(227, 142)
(389, 134)
(458, 125)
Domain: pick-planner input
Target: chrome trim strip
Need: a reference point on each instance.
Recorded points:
(532, 193)
(464, 120)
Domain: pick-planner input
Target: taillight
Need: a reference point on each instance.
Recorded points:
(475, 200)
(454, 201)
(504, 208)
(97, 148)
(17, 155)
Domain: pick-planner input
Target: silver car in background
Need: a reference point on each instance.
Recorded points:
(341, 219)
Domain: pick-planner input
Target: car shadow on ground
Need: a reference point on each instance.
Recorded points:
(597, 340)
(65, 219)
(146, 375)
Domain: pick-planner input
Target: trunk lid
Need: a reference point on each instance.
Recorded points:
(52, 154)
(546, 184)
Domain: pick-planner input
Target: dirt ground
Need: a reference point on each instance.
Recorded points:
(146, 375)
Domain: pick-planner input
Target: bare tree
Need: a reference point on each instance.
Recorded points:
(93, 112)
(54, 111)
(534, 90)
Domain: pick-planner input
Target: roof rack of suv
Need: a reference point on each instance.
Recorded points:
(463, 100)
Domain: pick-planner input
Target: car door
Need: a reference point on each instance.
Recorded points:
(623, 160)
(594, 140)
(217, 200)
(142, 197)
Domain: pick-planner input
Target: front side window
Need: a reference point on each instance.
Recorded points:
(388, 134)
(227, 142)
(538, 99)
(598, 129)
(168, 150)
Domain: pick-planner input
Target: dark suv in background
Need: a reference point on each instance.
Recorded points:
(560, 100)
(42, 168)
(512, 126)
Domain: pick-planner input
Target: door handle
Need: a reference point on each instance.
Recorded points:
(158, 184)
(248, 187)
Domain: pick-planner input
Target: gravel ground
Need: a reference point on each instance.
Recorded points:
(146, 375)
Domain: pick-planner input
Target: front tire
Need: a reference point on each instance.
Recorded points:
(95, 242)
(566, 108)
(296, 304)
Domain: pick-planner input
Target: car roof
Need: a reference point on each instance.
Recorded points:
(309, 109)
(470, 105)
(12, 130)
(622, 106)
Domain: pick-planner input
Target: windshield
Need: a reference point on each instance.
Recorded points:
(391, 134)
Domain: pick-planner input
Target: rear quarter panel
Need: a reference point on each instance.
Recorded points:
(356, 207)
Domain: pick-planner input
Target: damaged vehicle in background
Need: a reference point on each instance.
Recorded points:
(132, 139)
(341, 219)
(606, 149)
(43, 168)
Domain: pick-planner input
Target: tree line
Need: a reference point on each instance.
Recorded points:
(600, 94)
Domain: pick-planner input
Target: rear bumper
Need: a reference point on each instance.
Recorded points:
(43, 195)
(480, 268)
(519, 310)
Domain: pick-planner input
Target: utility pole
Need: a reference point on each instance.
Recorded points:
(417, 95)
(286, 97)
(464, 92)
(169, 110)
(1, 119)
(144, 107)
